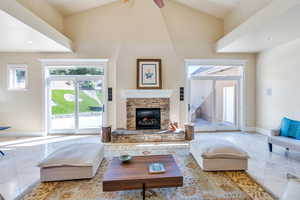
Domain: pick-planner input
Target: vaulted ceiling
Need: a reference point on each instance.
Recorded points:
(217, 8)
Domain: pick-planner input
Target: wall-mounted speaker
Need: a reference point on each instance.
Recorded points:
(181, 94)
(109, 95)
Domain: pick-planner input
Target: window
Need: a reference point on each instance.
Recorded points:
(75, 95)
(17, 76)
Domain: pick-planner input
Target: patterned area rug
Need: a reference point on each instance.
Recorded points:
(198, 185)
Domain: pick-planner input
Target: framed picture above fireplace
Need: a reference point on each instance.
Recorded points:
(149, 74)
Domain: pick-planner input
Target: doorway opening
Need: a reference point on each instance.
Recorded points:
(214, 96)
(75, 98)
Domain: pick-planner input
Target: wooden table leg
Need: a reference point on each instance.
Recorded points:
(144, 191)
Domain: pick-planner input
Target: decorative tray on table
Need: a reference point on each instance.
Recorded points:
(156, 168)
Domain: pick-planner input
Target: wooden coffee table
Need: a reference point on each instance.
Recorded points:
(134, 174)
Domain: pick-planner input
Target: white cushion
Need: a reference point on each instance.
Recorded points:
(74, 155)
(292, 191)
(211, 149)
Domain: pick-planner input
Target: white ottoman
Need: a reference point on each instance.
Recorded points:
(218, 155)
(76, 161)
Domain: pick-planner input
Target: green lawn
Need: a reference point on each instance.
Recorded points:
(99, 94)
(66, 107)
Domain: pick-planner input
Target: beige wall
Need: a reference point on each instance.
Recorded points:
(278, 69)
(126, 32)
(45, 11)
(242, 12)
(21, 109)
(122, 33)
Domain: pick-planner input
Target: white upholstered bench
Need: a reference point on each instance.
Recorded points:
(76, 161)
(218, 155)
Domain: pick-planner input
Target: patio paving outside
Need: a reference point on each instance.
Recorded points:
(85, 122)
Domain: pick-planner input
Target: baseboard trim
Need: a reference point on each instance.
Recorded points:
(249, 129)
(257, 130)
(22, 134)
(263, 131)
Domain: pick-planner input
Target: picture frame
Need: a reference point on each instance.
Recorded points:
(149, 74)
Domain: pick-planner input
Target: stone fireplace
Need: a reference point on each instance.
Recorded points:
(148, 113)
(148, 117)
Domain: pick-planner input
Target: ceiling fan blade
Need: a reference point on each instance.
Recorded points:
(159, 3)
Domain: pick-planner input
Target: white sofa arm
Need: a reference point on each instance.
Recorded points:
(275, 132)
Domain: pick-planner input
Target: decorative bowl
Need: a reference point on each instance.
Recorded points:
(125, 158)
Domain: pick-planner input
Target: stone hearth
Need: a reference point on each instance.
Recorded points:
(126, 136)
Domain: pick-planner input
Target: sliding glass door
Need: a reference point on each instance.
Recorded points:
(214, 103)
(90, 103)
(75, 104)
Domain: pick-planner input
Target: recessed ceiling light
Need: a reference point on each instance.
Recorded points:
(29, 42)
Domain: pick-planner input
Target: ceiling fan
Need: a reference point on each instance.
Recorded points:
(159, 3)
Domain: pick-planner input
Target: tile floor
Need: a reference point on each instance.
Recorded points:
(18, 169)
(202, 124)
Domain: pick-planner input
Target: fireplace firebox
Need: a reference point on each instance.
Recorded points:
(147, 118)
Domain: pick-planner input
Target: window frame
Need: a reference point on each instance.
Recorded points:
(11, 68)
